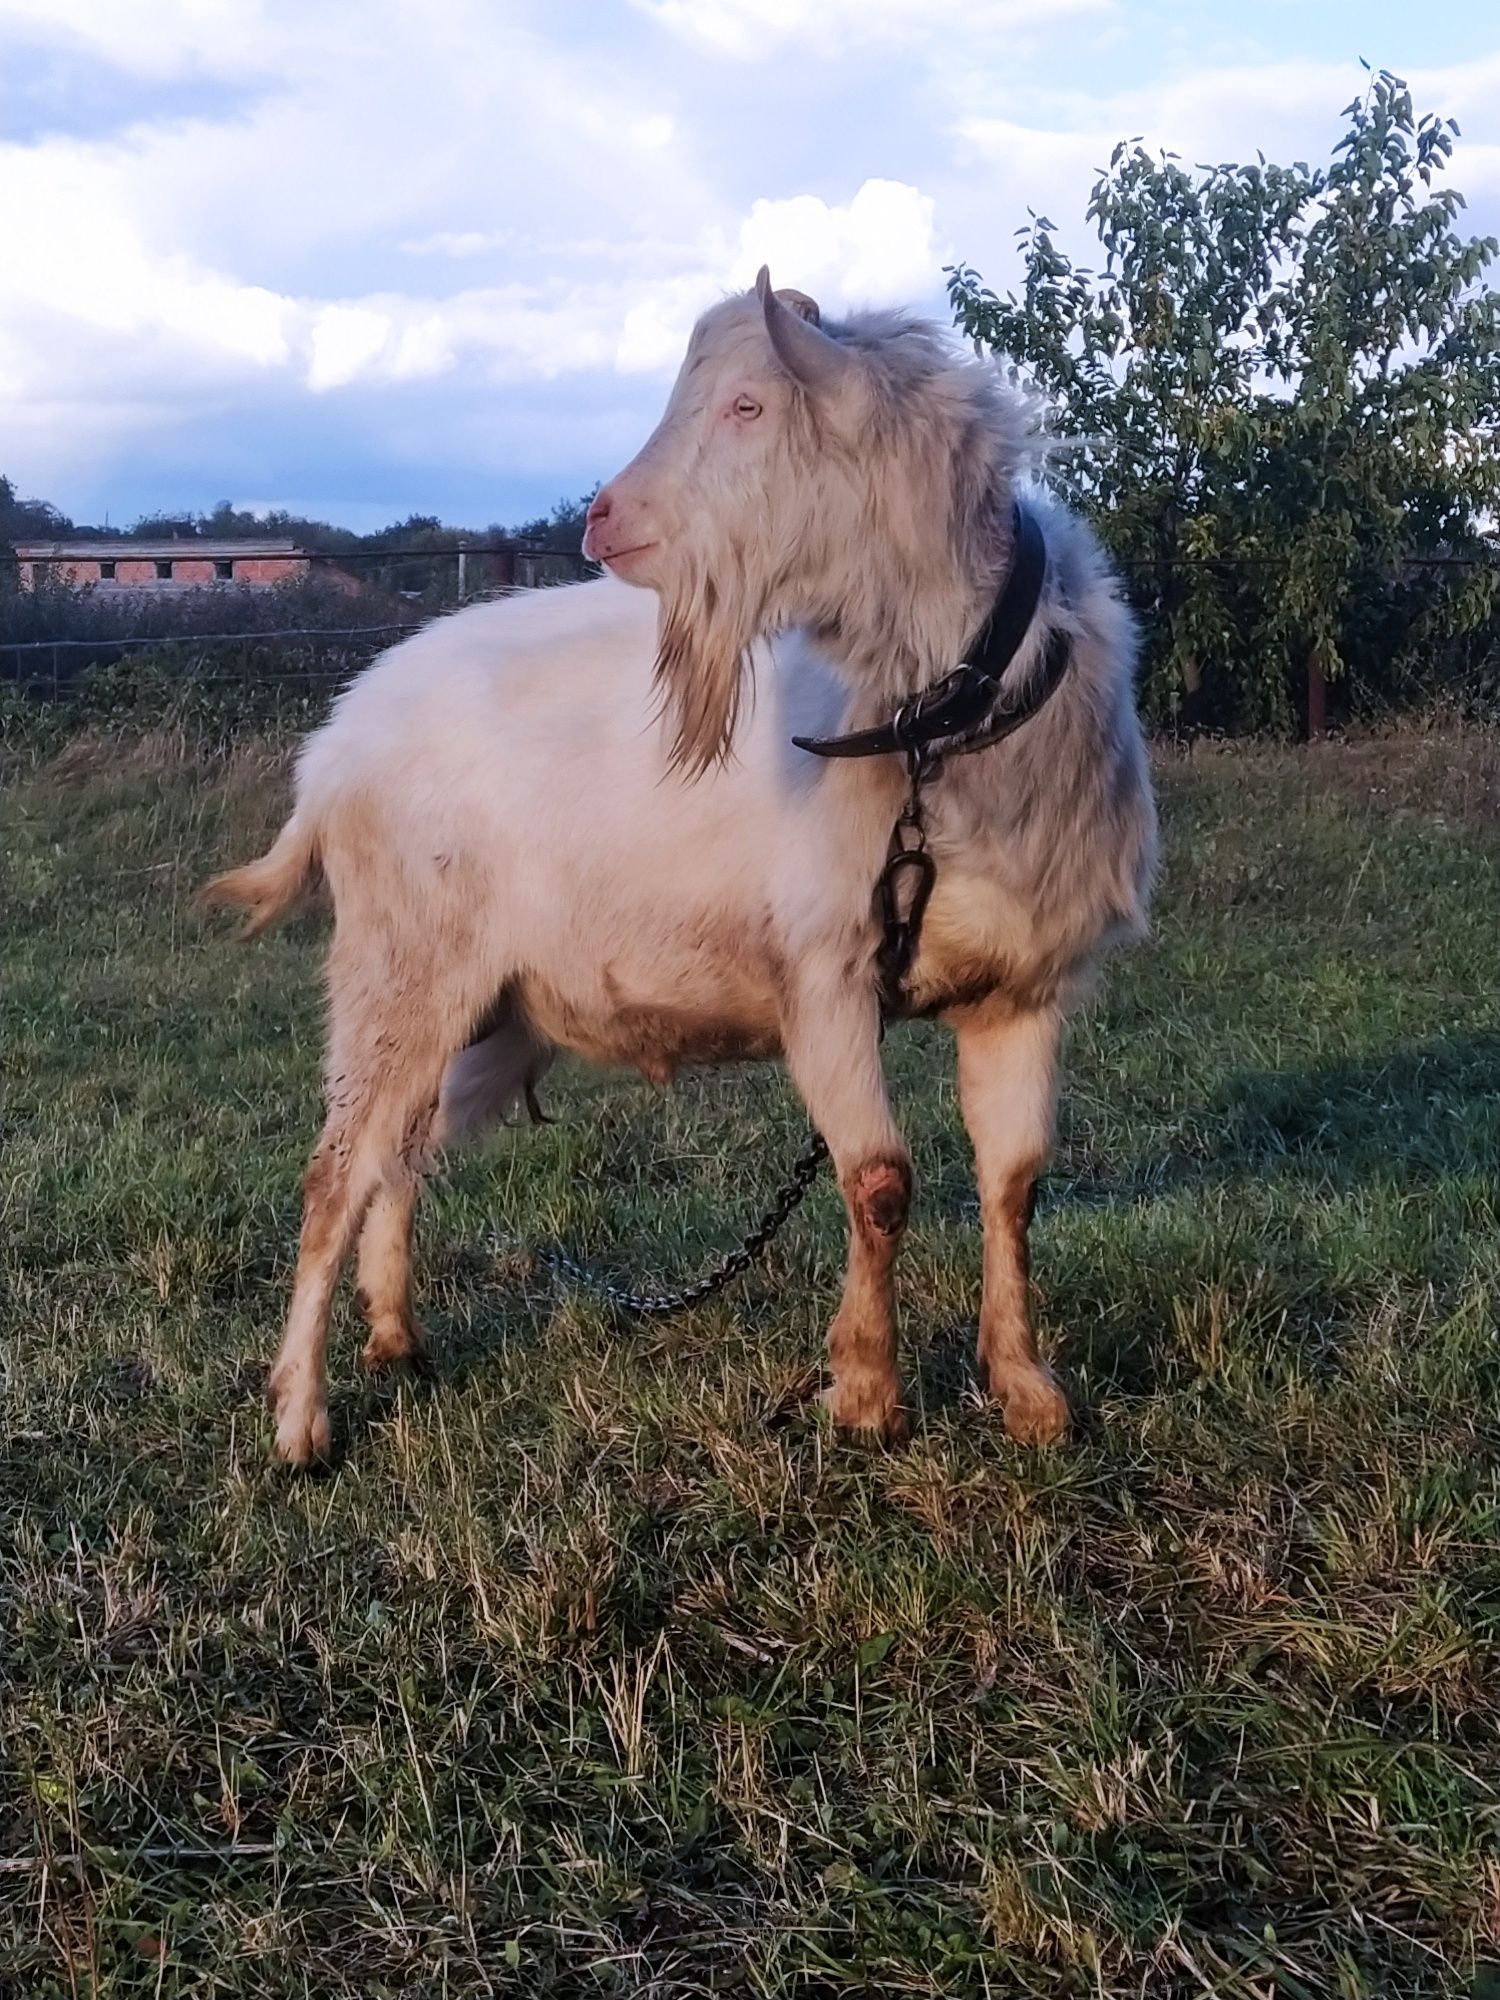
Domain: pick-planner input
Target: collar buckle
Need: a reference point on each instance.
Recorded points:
(958, 712)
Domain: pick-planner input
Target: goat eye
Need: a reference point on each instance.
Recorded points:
(746, 406)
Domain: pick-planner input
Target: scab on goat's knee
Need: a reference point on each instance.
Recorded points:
(879, 1197)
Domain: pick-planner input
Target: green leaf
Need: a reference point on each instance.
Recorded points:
(873, 1651)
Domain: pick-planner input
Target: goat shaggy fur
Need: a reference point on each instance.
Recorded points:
(525, 856)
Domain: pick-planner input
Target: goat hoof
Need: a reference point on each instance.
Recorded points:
(302, 1436)
(1036, 1410)
(396, 1345)
(302, 1433)
(867, 1405)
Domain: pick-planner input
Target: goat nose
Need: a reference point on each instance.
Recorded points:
(599, 509)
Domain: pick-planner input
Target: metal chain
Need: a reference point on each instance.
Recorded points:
(907, 854)
(659, 1305)
(900, 934)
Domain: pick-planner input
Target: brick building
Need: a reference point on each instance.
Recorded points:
(160, 567)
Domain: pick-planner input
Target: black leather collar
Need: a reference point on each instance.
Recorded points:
(959, 713)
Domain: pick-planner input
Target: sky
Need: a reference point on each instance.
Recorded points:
(369, 258)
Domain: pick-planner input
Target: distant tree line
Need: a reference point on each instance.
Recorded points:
(38, 520)
(1280, 401)
(371, 585)
(409, 574)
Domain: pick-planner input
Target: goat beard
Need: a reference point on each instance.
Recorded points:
(706, 629)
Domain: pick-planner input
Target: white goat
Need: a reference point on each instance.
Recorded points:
(521, 860)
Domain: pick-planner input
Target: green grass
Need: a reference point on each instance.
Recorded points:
(598, 1666)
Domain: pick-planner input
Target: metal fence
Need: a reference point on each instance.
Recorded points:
(243, 641)
(401, 589)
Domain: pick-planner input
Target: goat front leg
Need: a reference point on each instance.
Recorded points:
(1007, 1080)
(832, 1037)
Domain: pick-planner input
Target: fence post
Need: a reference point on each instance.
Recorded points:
(1317, 697)
(461, 574)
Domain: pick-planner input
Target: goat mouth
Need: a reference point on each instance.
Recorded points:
(624, 555)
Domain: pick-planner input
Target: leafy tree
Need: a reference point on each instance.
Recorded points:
(28, 520)
(1280, 399)
(24, 521)
(164, 527)
(229, 522)
(561, 529)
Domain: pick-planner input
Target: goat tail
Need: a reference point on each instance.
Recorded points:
(274, 884)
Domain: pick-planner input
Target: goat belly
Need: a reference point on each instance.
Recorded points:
(658, 1038)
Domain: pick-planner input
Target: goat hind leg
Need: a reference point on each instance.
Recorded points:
(479, 1085)
(334, 1196)
(384, 1101)
(384, 1277)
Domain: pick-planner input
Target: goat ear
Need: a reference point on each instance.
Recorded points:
(801, 305)
(797, 302)
(803, 349)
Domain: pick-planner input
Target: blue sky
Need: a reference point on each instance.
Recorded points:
(366, 258)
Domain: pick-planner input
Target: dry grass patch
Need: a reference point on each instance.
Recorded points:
(598, 1667)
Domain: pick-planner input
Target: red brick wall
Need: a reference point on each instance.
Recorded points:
(73, 574)
(142, 570)
(268, 569)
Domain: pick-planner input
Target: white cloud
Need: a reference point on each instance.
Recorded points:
(460, 243)
(411, 221)
(1043, 150)
(346, 342)
(752, 28)
(161, 38)
(186, 254)
(1285, 109)
(73, 250)
(653, 133)
(630, 306)
(877, 249)
(654, 332)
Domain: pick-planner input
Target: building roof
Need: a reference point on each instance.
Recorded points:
(201, 548)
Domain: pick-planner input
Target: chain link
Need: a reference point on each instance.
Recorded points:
(659, 1305)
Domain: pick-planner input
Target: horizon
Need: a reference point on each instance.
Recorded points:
(188, 525)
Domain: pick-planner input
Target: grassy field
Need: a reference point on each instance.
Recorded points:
(598, 1666)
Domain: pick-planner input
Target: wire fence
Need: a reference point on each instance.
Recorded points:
(309, 656)
(81, 549)
(61, 624)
